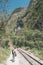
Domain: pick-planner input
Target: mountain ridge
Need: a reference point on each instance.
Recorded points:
(33, 13)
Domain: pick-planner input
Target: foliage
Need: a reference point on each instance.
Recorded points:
(4, 53)
(31, 33)
(38, 52)
(30, 38)
(35, 15)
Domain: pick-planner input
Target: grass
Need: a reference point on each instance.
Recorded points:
(31, 40)
(4, 53)
(35, 51)
(38, 53)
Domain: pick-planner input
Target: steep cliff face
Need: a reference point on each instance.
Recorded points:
(13, 18)
(34, 15)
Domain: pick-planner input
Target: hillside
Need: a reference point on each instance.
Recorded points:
(34, 15)
(13, 17)
(24, 28)
(32, 21)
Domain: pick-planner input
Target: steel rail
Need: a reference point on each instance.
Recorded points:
(22, 51)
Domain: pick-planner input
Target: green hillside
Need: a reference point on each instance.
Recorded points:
(34, 15)
(30, 34)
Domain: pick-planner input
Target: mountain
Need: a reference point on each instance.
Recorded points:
(24, 28)
(13, 18)
(34, 15)
(32, 22)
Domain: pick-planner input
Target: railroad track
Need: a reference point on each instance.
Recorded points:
(29, 58)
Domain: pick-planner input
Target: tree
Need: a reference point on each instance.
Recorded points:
(3, 13)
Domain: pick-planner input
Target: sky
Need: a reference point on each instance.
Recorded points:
(13, 4)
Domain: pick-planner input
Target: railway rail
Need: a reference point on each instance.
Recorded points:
(29, 58)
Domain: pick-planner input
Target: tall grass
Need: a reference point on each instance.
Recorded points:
(4, 53)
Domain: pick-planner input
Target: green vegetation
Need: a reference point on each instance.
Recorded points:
(29, 40)
(35, 15)
(38, 53)
(30, 36)
(4, 53)
(35, 51)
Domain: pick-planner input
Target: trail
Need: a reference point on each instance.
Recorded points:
(19, 60)
(10, 62)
